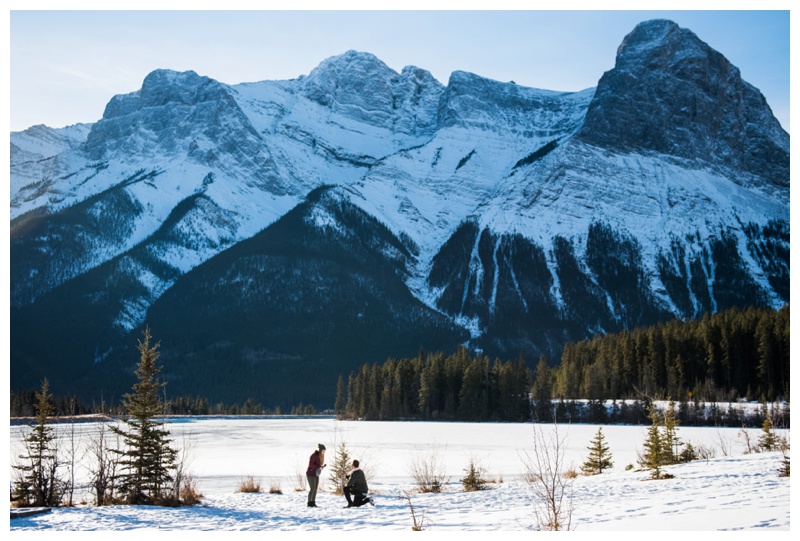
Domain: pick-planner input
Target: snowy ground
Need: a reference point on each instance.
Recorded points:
(731, 491)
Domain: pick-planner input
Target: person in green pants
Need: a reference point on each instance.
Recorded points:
(316, 462)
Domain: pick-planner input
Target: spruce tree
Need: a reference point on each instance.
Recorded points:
(147, 459)
(785, 466)
(473, 480)
(340, 467)
(340, 404)
(653, 457)
(542, 387)
(470, 406)
(672, 443)
(599, 455)
(39, 483)
(767, 441)
(351, 408)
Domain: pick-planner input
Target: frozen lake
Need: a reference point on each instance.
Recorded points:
(730, 492)
(223, 451)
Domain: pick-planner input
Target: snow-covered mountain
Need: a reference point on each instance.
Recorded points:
(276, 234)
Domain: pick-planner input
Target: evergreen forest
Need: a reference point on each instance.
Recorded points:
(735, 354)
(732, 355)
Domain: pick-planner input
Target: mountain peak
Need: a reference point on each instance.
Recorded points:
(662, 44)
(187, 110)
(343, 73)
(360, 86)
(353, 57)
(167, 77)
(160, 87)
(670, 92)
(650, 33)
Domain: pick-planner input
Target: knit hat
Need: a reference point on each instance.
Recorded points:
(321, 447)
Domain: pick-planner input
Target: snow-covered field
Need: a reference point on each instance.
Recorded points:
(731, 491)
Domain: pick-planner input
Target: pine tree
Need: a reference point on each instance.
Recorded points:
(542, 388)
(767, 441)
(148, 459)
(784, 469)
(375, 386)
(653, 457)
(340, 467)
(542, 392)
(340, 404)
(39, 483)
(473, 480)
(469, 398)
(599, 455)
(672, 443)
(351, 408)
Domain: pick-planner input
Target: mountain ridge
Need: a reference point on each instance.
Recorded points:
(523, 217)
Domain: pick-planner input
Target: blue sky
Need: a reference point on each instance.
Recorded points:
(66, 65)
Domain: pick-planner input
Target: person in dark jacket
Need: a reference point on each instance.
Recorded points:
(315, 464)
(356, 488)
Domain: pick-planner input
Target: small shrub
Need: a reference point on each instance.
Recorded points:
(531, 477)
(571, 473)
(783, 470)
(704, 452)
(167, 500)
(688, 453)
(428, 472)
(249, 485)
(552, 491)
(474, 478)
(417, 522)
(275, 487)
(299, 480)
(629, 467)
(188, 491)
(750, 448)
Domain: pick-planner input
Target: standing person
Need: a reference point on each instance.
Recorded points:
(315, 464)
(357, 487)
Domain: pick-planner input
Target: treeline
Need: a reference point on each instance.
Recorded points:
(456, 387)
(637, 412)
(198, 405)
(23, 404)
(719, 358)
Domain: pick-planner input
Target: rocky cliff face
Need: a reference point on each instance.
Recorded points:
(361, 87)
(671, 93)
(271, 233)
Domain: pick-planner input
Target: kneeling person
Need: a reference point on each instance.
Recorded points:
(356, 488)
